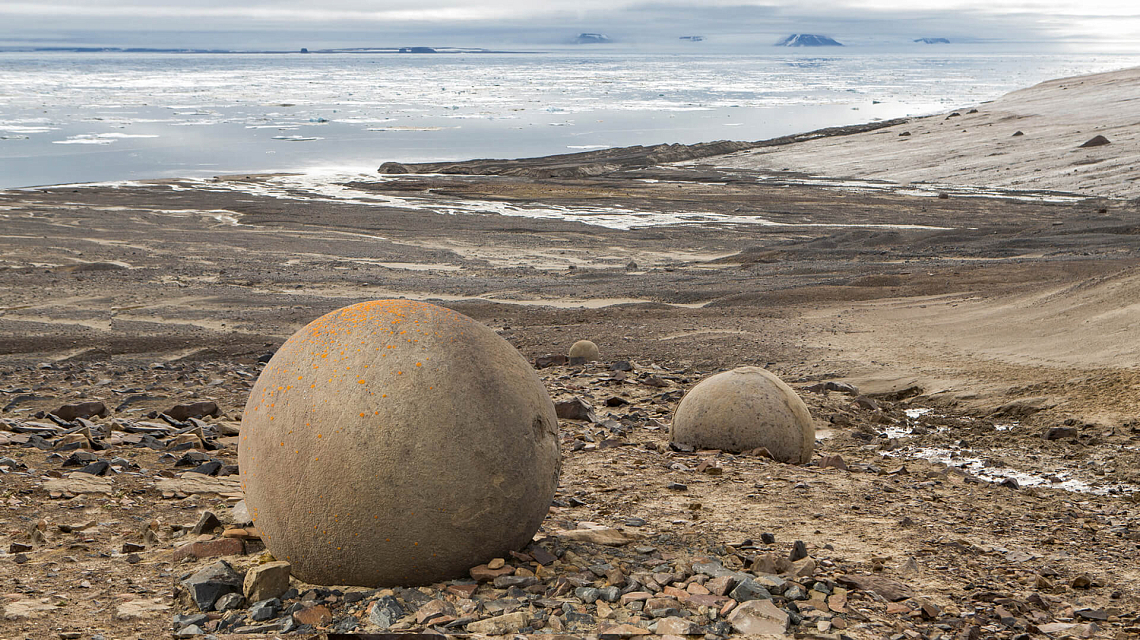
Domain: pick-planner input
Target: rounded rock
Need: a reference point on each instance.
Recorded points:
(745, 409)
(584, 351)
(397, 442)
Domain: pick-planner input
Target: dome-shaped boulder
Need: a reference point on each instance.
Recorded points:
(745, 409)
(583, 351)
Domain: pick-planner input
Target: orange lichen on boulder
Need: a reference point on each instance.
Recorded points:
(435, 454)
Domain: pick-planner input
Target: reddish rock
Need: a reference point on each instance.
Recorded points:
(462, 590)
(315, 616)
(210, 549)
(834, 461)
(634, 596)
(897, 608)
(541, 556)
(722, 585)
(70, 412)
(483, 573)
(697, 589)
(652, 604)
(434, 612)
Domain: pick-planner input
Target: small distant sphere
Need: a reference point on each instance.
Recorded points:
(396, 442)
(744, 409)
(584, 349)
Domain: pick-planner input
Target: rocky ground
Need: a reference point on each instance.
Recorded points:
(875, 538)
(977, 453)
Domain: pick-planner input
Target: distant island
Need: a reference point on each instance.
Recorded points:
(933, 40)
(592, 38)
(807, 40)
(693, 38)
(417, 50)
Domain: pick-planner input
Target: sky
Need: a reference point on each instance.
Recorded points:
(287, 24)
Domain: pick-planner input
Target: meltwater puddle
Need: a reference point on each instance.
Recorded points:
(968, 460)
(334, 187)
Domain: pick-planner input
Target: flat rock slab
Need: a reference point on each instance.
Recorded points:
(142, 608)
(210, 549)
(611, 537)
(193, 483)
(892, 590)
(19, 607)
(79, 483)
(499, 625)
(759, 617)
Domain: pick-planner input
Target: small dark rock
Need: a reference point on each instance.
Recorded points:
(748, 589)
(194, 410)
(211, 583)
(1091, 614)
(207, 522)
(1096, 141)
(70, 412)
(385, 612)
(575, 409)
(264, 610)
(208, 469)
(550, 359)
(99, 468)
(799, 551)
(229, 601)
(1058, 433)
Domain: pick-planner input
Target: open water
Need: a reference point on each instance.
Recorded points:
(89, 117)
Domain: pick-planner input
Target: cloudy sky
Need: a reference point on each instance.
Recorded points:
(342, 23)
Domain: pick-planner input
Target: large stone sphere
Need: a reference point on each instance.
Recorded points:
(397, 443)
(584, 351)
(744, 409)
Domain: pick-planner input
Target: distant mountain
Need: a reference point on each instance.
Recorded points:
(933, 40)
(807, 40)
(592, 38)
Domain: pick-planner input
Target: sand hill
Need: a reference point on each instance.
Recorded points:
(982, 147)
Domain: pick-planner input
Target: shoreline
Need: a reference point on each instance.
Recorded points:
(990, 447)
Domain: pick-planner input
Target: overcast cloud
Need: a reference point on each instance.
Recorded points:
(286, 23)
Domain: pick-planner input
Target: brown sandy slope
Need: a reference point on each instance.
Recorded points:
(968, 148)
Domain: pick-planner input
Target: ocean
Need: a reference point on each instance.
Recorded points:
(69, 117)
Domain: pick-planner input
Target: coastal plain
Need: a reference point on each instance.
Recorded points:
(978, 444)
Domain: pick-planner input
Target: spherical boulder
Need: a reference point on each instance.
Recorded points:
(396, 442)
(744, 409)
(583, 351)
